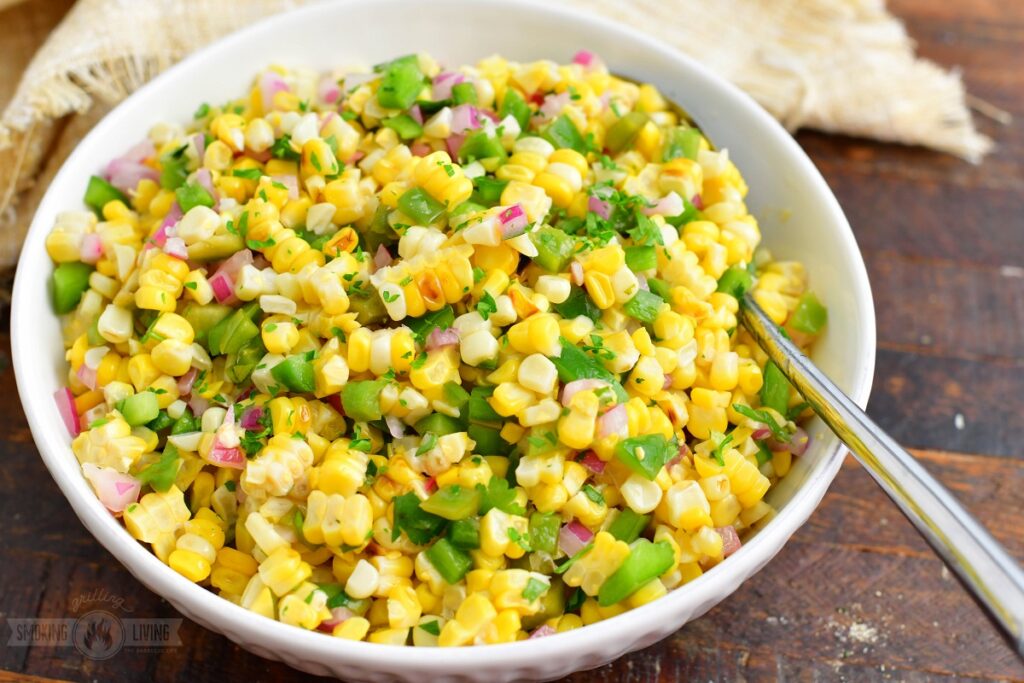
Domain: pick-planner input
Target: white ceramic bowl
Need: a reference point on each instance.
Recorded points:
(782, 182)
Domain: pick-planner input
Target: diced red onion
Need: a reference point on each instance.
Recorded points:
(443, 84)
(356, 156)
(88, 417)
(601, 207)
(200, 142)
(439, 338)
(576, 270)
(338, 616)
(542, 632)
(175, 246)
(115, 490)
(592, 462)
(669, 205)
(223, 288)
(91, 249)
(65, 401)
(326, 119)
(186, 381)
(573, 536)
(454, 143)
(334, 400)
(86, 375)
(197, 404)
(430, 485)
(174, 215)
(226, 457)
(125, 175)
(761, 433)
(684, 452)
(416, 113)
(262, 157)
(259, 261)
(585, 58)
(383, 257)
(251, 418)
(232, 266)
(796, 445)
(552, 106)
(271, 83)
(328, 90)
(614, 421)
(289, 181)
(513, 221)
(140, 151)
(465, 117)
(667, 384)
(577, 385)
(730, 539)
(395, 426)
(698, 202)
(204, 178)
(420, 149)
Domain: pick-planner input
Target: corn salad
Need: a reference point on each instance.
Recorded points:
(429, 356)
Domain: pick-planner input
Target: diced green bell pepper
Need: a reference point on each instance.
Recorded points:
(656, 451)
(487, 191)
(644, 306)
(563, 133)
(624, 131)
(513, 104)
(554, 248)
(628, 525)
(480, 409)
(70, 280)
(455, 395)
(98, 192)
(296, 373)
(481, 145)
(405, 125)
(735, 281)
(464, 93)
(579, 303)
(465, 533)
(574, 363)
(140, 408)
(417, 204)
(544, 529)
(186, 423)
(681, 141)
(401, 84)
(439, 424)
(418, 524)
(161, 422)
(361, 400)
(453, 502)
(488, 440)
(775, 388)
(450, 562)
(640, 258)
(190, 196)
(646, 561)
(810, 315)
(203, 318)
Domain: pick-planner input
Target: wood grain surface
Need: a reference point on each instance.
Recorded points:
(856, 595)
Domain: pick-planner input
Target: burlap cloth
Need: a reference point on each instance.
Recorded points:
(843, 66)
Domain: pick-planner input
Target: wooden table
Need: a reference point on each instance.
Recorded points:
(856, 594)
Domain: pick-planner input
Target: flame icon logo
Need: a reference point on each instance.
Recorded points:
(98, 634)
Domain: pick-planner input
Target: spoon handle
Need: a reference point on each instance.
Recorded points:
(977, 559)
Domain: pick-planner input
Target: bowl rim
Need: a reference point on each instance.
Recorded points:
(212, 609)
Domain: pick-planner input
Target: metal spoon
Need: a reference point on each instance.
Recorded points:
(983, 566)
